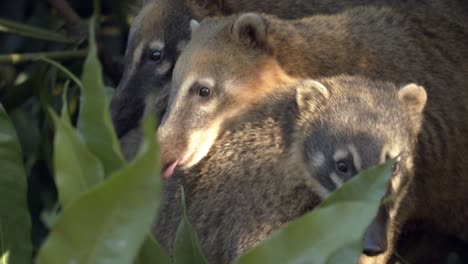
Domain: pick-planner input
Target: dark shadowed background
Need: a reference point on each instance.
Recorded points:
(28, 86)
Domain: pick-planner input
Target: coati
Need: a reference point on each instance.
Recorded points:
(284, 154)
(359, 125)
(244, 188)
(230, 62)
(161, 29)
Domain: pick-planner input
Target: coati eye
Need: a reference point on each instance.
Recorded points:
(204, 91)
(155, 55)
(342, 166)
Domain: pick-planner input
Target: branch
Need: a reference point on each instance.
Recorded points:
(78, 28)
(24, 30)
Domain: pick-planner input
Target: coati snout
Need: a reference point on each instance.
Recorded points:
(204, 97)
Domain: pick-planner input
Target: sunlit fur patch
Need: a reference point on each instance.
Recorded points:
(185, 86)
(340, 154)
(137, 54)
(318, 160)
(336, 179)
(181, 45)
(164, 68)
(296, 169)
(268, 78)
(356, 157)
(156, 45)
(200, 143)
(207, 81)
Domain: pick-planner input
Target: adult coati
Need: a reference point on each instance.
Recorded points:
(161, 29)
(284, 154)
(249, 55)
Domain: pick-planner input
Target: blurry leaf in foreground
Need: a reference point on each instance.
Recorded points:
(331, 233)
(15, 223)
(94, 120)
(109, 223)
(187, 248)
(76, 168)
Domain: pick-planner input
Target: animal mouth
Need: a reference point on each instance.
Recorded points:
(169, 169)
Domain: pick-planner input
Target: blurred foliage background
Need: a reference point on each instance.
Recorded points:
(28, 85)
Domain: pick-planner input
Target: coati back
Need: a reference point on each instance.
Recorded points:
(161, 29)
(233, 61)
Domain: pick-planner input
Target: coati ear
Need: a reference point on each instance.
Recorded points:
(194, 24)
(250, 29)
(204, 8)
(310, 95)
(414, 97)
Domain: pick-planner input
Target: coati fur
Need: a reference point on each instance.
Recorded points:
(252, 182)
(279, 158)
(161, 29)
(244, 58)
(363, 123)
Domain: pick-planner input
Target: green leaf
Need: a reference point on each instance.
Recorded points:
(152, 252)
(76, 168)
(369, 186)
(94, 120)
(15, 223)
(331, 233)
(109, 223)
(186, 248)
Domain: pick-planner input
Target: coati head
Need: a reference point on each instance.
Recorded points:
(157, 35)
(225, 68)
(352, 123)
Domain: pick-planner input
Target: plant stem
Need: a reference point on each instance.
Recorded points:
(9, 26)
(16, 58)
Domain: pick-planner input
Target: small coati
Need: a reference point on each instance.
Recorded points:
(358, 125)
(282, 155)
(161, 29)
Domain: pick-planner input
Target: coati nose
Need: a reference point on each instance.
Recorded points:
(373, 249)
(375, 238)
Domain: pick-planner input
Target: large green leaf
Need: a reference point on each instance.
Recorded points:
(186, 248)
(110, 222)
(152, 252)
(76, 168)
(15, 224)
(94, 120)
(331, 233)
